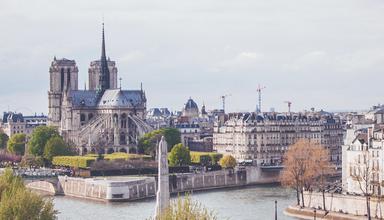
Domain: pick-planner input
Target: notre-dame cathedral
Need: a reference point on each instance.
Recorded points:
(103, 118)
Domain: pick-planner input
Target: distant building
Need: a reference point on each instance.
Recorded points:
(363, 150)
(264, 138)
(16, 123)
(195, 127)
(191, 110)
(159, 118)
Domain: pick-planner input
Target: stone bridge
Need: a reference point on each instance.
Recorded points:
(50, 185)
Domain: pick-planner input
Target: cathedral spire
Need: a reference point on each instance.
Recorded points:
(104, 73)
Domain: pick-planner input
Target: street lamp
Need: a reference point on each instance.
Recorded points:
(314, 214)
(275, 209)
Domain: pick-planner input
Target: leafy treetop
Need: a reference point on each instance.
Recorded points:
(39, 139)
(179, 156)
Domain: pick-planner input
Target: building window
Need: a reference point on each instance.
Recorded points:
(82, 117)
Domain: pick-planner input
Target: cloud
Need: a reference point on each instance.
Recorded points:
(326, 63)
(242, 60)
(311, 60)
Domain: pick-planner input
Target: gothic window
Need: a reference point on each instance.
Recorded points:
(62, 79)
(123, 139)
(115, 119)
(68, 78)
(90, 116)
(82, 117)
(124, 120)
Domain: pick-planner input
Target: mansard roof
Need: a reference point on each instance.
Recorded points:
(362, 138)
(12, 116)
(252, 116)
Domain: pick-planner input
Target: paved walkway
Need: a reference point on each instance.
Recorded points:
(307, 213)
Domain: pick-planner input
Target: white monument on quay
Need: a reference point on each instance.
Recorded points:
(162, 196)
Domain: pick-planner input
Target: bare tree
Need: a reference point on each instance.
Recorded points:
(298, 171)
(363, 174)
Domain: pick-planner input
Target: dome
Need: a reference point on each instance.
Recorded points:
(191, 110)
(190, 104)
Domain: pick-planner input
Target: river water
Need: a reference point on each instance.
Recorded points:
(247, 203)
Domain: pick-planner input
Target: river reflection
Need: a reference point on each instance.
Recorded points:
(247, 203)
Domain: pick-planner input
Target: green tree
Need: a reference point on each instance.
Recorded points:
(228, 161)
(147, 144)
(17, 202)
(16, 144)
(3, 140)
(172, 136)
(8, 180)
(55, 146)
(179, 156)
(39, 139)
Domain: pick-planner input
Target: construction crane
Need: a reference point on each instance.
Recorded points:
(289, 106)
(223, 97)
(259, 90)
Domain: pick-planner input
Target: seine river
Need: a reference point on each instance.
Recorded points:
(248, 203)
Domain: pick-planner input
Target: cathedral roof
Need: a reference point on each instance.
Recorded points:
(121, 98)
(83, 98)
(110, 98)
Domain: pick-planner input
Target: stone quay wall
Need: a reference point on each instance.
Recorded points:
(44, 187)
(348, 204)
(208, 180)
(127, 188)
(108, 190)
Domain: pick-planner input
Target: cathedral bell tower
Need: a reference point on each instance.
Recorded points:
(63, 78)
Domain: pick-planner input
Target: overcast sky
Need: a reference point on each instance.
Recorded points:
(327, 54)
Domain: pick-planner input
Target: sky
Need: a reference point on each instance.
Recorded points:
(326, 54)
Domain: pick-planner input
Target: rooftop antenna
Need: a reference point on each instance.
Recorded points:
(259, 90)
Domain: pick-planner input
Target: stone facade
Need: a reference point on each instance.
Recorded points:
(265, 138)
